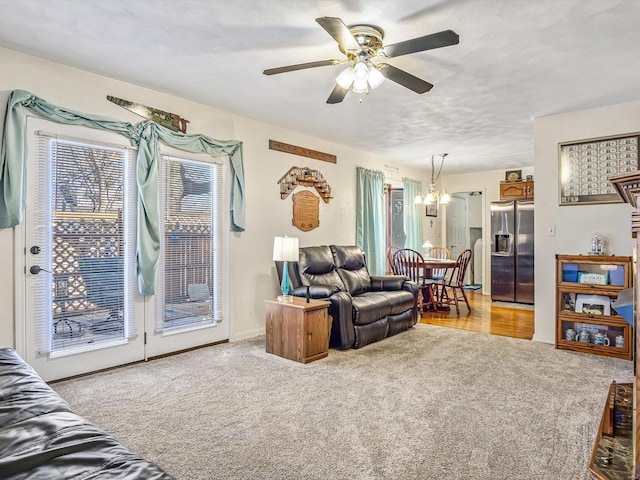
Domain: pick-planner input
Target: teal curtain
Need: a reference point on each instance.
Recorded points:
(412, 214)
(370, 221)
(145, 135)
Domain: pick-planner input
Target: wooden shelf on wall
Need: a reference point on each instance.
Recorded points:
(305, 177)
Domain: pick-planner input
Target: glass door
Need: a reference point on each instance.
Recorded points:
(188, 307)
(81, 310)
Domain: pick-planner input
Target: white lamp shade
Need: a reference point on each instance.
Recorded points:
(375, 77)
(285, 249)
(446, 198)
(359, 85)
(417, 200)
(345, 79)
(360, 72)
(429, 198)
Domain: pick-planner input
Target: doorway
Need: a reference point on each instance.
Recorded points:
(464, 230)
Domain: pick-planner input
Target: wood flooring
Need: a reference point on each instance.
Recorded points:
(485, 317)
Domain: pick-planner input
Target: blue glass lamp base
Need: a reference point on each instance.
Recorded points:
(284, 285)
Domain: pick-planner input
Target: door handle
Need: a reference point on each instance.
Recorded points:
(36, 269)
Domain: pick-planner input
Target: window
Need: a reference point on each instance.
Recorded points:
(189, 285)
(395, 217)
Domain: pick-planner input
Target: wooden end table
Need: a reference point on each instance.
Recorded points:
(298, 330)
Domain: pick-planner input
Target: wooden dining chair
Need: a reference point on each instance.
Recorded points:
(410, 263)
(439, 274)
(390, 252)
(453, 288)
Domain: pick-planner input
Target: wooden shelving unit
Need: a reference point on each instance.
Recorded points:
(585, 285)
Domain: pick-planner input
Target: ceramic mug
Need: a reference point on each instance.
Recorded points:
(601, 339)
(620, 341)
(584, 337)
(570, 334)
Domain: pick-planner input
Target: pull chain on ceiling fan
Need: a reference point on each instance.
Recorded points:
(361, 44)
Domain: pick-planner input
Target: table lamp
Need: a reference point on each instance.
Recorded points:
(285, 249)
(426, 248)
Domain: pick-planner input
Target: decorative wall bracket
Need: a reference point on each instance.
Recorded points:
(307, 178)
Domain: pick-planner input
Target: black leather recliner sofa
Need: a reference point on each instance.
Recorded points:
(41, 438)
(364, 308)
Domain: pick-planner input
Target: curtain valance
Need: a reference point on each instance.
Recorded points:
(144, 135)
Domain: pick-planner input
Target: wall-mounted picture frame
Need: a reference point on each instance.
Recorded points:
(432, 210)
(513, 175)
(584, 168)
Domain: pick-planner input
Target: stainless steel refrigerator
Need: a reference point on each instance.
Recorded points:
(512, 251)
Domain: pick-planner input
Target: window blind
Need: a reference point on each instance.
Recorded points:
(190, 269)
(83, 298)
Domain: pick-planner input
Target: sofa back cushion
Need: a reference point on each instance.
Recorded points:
(316, 267)
(352, 268)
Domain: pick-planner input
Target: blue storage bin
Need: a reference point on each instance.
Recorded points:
(616, 277)
(570, 272)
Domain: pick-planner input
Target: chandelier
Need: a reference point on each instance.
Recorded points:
(434, 196)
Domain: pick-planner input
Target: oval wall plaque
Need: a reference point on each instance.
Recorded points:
(306, 211)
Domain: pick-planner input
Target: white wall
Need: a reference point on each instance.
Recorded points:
(253, 275)
(575, 223)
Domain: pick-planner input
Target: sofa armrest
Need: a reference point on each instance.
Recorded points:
(343, 335)
(315, 291)
(387, 282)
(341, 310)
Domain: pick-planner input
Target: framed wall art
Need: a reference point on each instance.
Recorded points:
(432, 210)
(586, 165)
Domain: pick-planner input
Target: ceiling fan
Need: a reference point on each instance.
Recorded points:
(362, 43)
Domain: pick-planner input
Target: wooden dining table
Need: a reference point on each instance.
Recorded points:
(431, 264)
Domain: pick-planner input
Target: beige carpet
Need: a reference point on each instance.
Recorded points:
(429, 403)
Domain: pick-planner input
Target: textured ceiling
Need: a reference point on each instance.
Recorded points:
(517, 60)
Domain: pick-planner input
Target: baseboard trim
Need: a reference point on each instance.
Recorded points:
(248, 334)
(543, 339)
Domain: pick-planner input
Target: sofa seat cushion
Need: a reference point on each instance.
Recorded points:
(371, 306)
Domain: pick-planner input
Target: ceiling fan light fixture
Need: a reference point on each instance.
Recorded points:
(375, 78)
(360, 85)
(345, 79)
(360, 71)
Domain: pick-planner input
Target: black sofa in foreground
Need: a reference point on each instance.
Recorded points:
(365, 308)
(41, 438)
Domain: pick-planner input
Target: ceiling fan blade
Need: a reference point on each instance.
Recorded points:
(340, 33)
(337, 94)
(405, 79)
(301, 66)
(428, 42)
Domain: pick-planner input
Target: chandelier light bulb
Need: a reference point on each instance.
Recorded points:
(429, 199)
